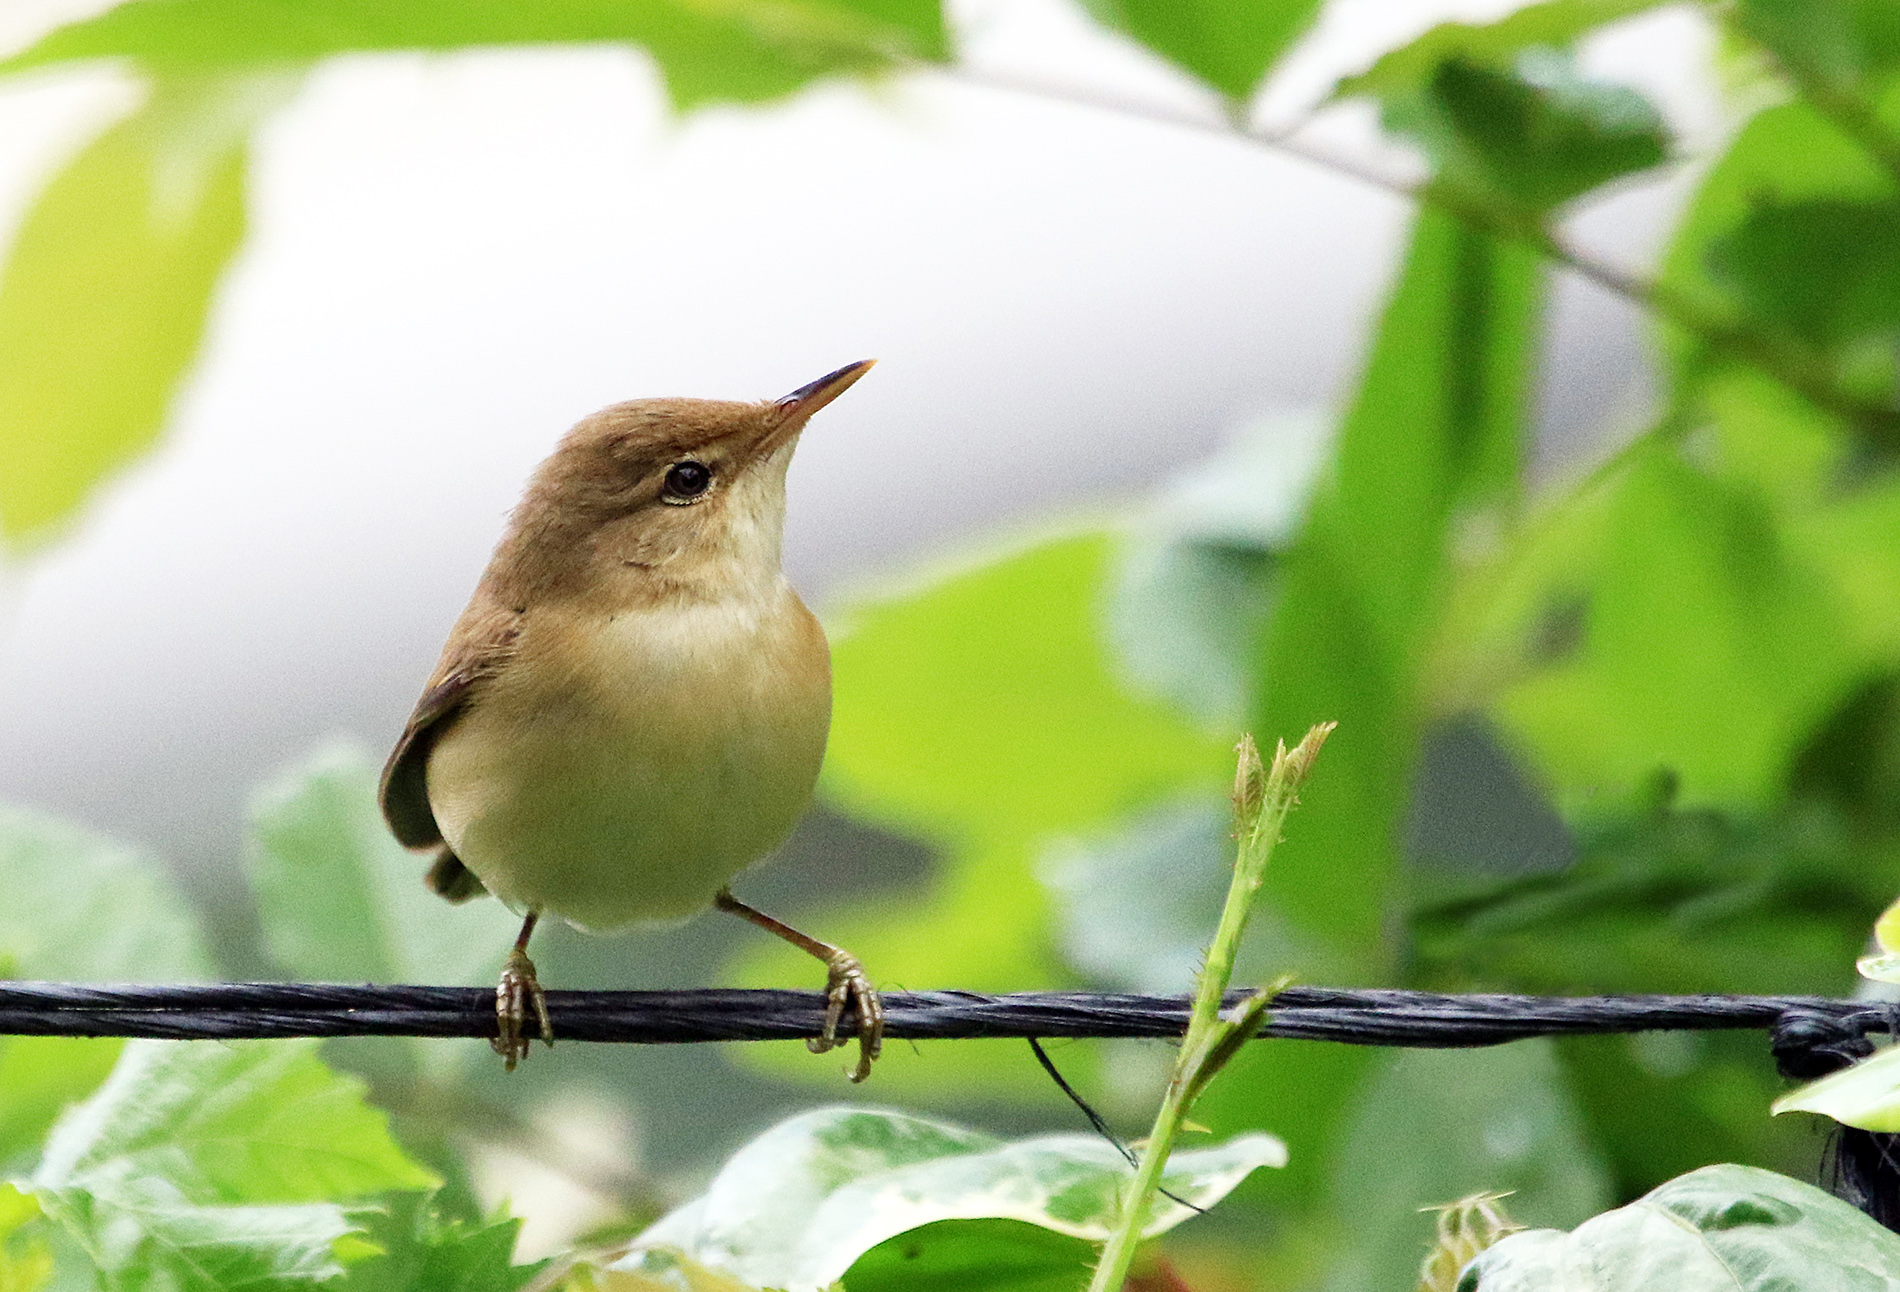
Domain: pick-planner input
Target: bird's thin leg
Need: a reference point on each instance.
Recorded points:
(517, 990)
(846, 984)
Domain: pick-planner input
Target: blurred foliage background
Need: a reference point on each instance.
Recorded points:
(1632, 726)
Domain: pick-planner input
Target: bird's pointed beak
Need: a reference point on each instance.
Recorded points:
(796, 408)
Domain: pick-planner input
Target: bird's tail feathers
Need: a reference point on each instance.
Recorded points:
(451, 879)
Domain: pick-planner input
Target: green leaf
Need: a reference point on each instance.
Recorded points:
(107, 287)
(1794, 175)
(82, 908)
(202, 1166)
(1428, 452)
(26, 1258)
(1673, 901)
(342, 901)
(1438, 1125)
(1554, 24)
(1538, 133)
(747, 50)
(981, 713)
(1842, 45)
(240, 1122)
(1503, 114)
(974, 1256)
(419, 1251)
(1665, 625)
(40, 1076)
(88, 910)
(659, 1271)
(1135, 906)
(1866, 1094)
(1430, 448)
(798, 1206)
(1726, 1228)
(1229, 44)
(1827, 270)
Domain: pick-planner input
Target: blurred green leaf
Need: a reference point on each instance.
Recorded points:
(1438, 1125)
(107, 287)
(342, 901)
(1675, 901)
(1428, 452)
(1732, 1228)
(1827, 270)
(88, 910)
(26, 1258)
(1659, 622)
(974, 1256)
(981, 713)
(1503, 114)
(200, 1166)
(1841, 45)
(82, 908)
(747, 50)
(39, 1077)
(1665, 899)
(419, 1251)
(1229, 44)
(1661, 1103)
(1194, 579)
(1786, 159)
(1430, 447)
(1538, 133)
(658, 1272)
(799, 1205)
(1135, 907)
(1553, 24)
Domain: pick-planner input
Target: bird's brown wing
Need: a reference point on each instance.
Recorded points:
(479, 645)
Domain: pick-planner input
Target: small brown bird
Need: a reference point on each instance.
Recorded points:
(633, 707)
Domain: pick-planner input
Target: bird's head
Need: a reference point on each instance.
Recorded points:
(684, 493)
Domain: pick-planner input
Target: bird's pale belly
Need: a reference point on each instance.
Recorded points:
(631, 785)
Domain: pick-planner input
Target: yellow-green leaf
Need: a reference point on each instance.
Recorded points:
(1866, 1095)
(106, 290)
(745, 50)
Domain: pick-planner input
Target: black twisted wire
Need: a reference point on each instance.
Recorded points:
(1357, 1017)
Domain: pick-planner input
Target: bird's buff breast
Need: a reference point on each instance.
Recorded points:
(639, 761)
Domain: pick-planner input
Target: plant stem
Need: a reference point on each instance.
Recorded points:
(1262, 799)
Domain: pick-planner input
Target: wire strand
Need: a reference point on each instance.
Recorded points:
(232, 1011)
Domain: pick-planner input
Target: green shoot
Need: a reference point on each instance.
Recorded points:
(1262, 799)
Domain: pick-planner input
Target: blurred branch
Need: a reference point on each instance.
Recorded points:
(1786, 360)
(1356, 1017)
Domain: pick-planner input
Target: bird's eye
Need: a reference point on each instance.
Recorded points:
(686, 482)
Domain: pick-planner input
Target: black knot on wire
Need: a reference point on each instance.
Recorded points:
(1809, 1044)
(1860, 1167)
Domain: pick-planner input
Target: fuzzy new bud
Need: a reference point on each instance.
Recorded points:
(1250, 785)
(1291, 767)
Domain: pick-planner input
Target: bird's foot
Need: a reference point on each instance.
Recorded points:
(517, 990)
(848, 984)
